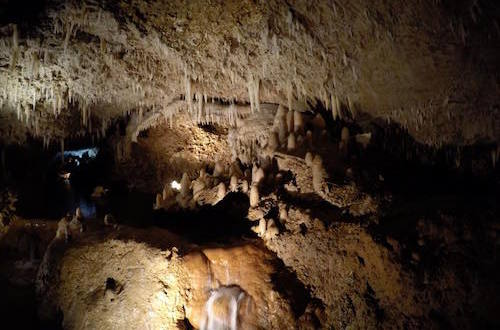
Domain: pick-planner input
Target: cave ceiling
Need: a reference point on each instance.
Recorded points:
(71, 68)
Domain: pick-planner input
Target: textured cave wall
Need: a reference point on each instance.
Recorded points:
(70, 67)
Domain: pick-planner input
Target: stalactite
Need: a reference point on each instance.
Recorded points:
(251, 93)
(335, 103)
(15, 47)
(199, 98)
(253, 86)
(351, 107)
(289, 96)
(256, 90)
(290, 120)
(188, 96)
(69, 31)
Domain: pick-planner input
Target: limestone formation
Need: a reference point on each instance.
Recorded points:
(62, 232)
(290, 121)
(318, 174)
(273, 142)
(254, 195)
(233, 184)
(221, 191)
(218, 169)
(244, 186)
(158, 201)
(109, 220)
(291, 145)
(309, 159)
(271, 230)
(298, 122)
(185, 185)
(337, 131)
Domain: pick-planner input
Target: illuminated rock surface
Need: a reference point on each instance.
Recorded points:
(249, 164)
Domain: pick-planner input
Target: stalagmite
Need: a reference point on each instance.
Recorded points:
(309, 139)
(319, 122)
(271, 229)
(273, 142)
(159, 199)
(309, 158)
(75, 226)
(233, 184)
(257, 175)
(281, 112)
(291, 145)
(254, 195)
(244, 186)
(185, 183)
(282, 130)
(62, 229)
(197, 186)
(221, 191)
(300, 141)
(344, 134)
(363, 139)
(218, 169)
(298, 121)
(167, 192)
(318, 173)
(260, 228)
(283, 215)
(235, 169)
(254, 171)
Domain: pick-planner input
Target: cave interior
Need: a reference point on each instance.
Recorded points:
(250, 164)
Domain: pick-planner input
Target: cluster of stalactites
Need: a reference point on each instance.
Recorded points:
(209, 110)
